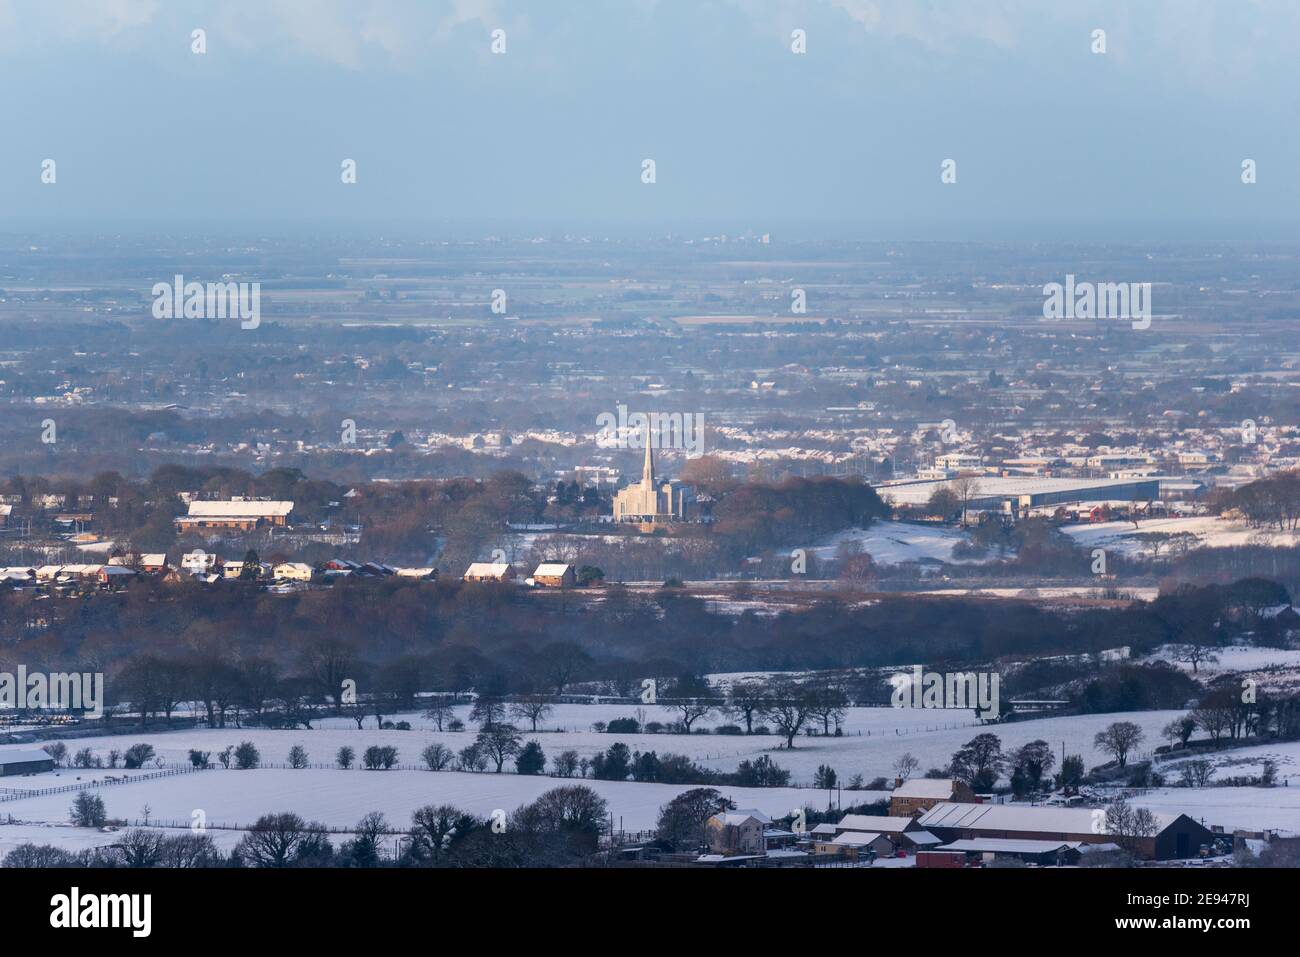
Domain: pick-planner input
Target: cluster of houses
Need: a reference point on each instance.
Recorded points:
(211, 568)
(940, 822)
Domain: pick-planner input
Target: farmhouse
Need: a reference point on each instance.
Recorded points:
(915, 797)
(737, 832)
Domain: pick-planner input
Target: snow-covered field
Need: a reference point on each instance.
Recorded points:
(341, 798)
(1251, 809)
(1057, 591)
(1242, 762)
(1209, 531)
(1235, 658)
(874, 738)
(892, 543)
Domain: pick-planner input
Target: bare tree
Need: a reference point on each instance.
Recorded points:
(787, 705)
(1129, 824)
(965, 487)
(906, 765)
(498, 742)
(745, 699)
(531, 708)
(1118, 740)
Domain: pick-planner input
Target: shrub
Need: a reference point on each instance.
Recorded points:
(531, 759)
(624, 726)
(297, 757)
(247, 756)
(379, 757)
(345, 757)
(436, 757)
(200, 759)
(88, 810)
(566, 765)
(729, 729)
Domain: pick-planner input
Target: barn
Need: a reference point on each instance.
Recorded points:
(25, 761)
(1178, 836)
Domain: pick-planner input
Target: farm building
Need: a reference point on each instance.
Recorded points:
(554, 575)
(27, 761)
(1043, 853)
(489, 572)
(1179, 836)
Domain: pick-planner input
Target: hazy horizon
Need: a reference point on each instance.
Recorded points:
(1050, 139)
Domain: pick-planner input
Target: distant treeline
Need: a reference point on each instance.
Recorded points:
(461, 520)
(408, 636)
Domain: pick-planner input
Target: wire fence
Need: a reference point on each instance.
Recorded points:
(98, 783)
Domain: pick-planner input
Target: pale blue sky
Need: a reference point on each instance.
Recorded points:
(745, 133)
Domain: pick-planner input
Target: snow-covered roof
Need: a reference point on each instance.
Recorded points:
(1007, 845)
(551, 569)
(240, 509)
(856, 838)
(487, 570)
(23, 756)
(1023, 817)
(924, 788)
(740, 816)
(873, 822)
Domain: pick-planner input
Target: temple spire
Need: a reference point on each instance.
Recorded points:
(648, 470)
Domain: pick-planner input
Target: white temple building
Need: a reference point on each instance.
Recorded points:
(650, 501)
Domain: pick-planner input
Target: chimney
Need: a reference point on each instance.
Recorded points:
(898, 783)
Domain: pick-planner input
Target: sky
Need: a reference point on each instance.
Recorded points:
(1047, 136)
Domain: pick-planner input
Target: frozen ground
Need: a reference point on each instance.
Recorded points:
(1058, 591)
(892, 543)
(338, 798)
(1242, 762)
(341, 798)
(1236, 658)
(1247, 808)
(873, 739)
(1209, 531)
